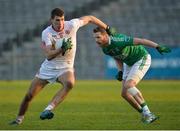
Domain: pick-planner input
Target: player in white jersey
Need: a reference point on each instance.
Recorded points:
(59, 46)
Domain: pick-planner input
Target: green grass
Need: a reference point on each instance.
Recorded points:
(95, 105)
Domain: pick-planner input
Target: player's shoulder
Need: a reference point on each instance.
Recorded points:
(119, 35)
(73, 22)
(47, 30)
(115, 36)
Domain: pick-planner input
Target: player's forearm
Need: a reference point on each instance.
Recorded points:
(119, 64)
(50, 54)
(98, 22)
(149, 43)
(94, 20)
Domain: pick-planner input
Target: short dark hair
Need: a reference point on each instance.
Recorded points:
(57, 12)
(99, 29)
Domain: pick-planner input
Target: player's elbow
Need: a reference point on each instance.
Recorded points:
(68, 85)
(90, 18)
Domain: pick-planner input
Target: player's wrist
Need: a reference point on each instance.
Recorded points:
(110, 30)
(59, 50)
(107, 27)
(157, 46)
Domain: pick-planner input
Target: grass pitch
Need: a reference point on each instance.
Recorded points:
(92, 105)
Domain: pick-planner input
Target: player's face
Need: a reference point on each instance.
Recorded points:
(58, 23)
(101, 39)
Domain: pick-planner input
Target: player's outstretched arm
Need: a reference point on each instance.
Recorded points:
(92, 19)
(160, 48)
(139, 41)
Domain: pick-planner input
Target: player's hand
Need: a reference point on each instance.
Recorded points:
(119, 76)
(111, 30)
(163, 49)
(66, 45)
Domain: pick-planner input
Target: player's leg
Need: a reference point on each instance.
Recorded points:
(130, 89)
(35, 87)
(147, 116)
(136, 73)
(67, 79)
(125, 94)
(129, 98)
(130, 86)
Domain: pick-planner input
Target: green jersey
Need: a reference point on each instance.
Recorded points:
(121, 47)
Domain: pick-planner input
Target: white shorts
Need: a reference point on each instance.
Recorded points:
(51, 75)
(137, 71)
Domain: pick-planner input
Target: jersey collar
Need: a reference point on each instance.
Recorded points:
(58, 31)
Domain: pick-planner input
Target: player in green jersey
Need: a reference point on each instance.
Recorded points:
(132, 61)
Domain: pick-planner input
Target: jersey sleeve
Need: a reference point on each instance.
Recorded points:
(77, 23)
(46, 38)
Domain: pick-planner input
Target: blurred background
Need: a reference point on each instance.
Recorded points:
(22, 21)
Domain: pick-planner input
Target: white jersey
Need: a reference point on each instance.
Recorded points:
(49, 36)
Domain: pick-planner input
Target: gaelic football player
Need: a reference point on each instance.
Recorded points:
(59, 46)
(133, 61)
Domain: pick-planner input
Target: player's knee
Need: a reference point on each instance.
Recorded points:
(124, 94)
(69, 85)
(133, 91)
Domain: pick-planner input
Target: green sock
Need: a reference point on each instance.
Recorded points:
(143, 104)
(140, 110)
(145, 108)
